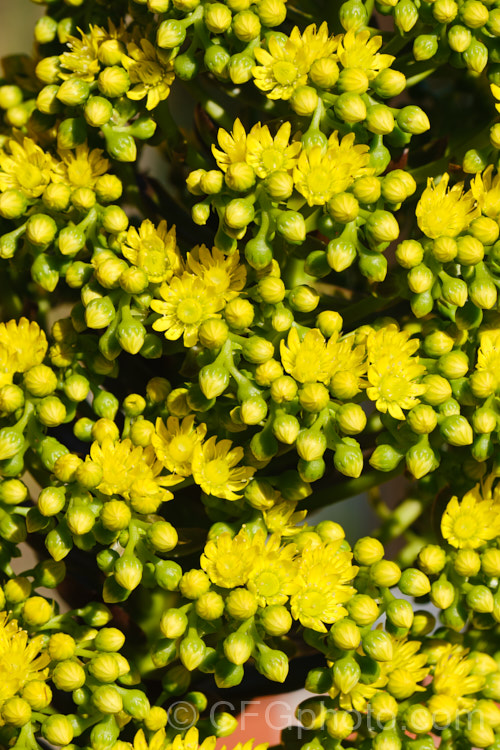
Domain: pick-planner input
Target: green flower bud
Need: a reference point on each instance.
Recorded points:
(418, 719)
(425, 46)
(210, 606)
(474, 14)
(173, 623)
(414, 583)
(343, 207)
(217, 61)
(378, 645)
(490, 562)
(453, 365)
(480, 599)
(256, 349)
(475, 56)
(71, 133)
(16, 712)
(350, 108)
(41, 229)
(57, 730)
(400, 613)
(389, 83)
(128, 572)
(276, 620)
(385, 573)
(314, 397)
(346, 674)
(363, 609)
(438, 390)
(192, 650)
(228, 675)
(168, 574)
(456, 430)
(73, 92)
(479, 733)
(113, 81)
(68, 676)
(345, 634)
(405, 15)
(412, 119)
(13, 204)
(353, 80)
(291, 226)
(383, 707)
(310, 444)
(341, 254)
(324, 71)
(107, 699)
(367, 189)
(381, 226)
(459, 38)
(348, 458)
(238, 647)
(99, 313)
(368, 551)
(271, 663)
(442, 593)
(120, 146)
(239, 213)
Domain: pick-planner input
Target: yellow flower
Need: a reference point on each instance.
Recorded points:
(157, 742)
(495, 90)
(151, 70)
(25, 167)
(274, 573)
(320, 174)
(357, 50)
(267, 154)
(82, 59)
(348, 358)
(452, 677)
(285, 66)
(190, 741)
(130, 470)
(393, 387)
(154, 249)
(486, 190)
(407, 666)
(357, 698)
(283, 519)
(309, 360)
(187, 302)
(445, 213)
(228, 561)
(223, 274)
(175, 442)
(325, 573)
(488, 355)
(471, 523)
(390, 343)
(82, 167)
(21, 659)
(232, 146)
(215, 471)
(22, 345)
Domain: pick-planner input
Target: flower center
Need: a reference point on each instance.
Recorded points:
(217, 471)
(29, 176)
(272, 159)
(181, 448)
(189, 311)
(267, 583)
(465, 527)
(151, 257)
(80, 173)
(393, 388)
(285, 72)
(312, 603)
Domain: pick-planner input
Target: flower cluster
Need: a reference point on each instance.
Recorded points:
(209, 332)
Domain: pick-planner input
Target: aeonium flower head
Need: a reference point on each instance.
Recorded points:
(282, 67)
(151, 72)
(445, 213)
(321, 174)
(154, 250)
(22, 346)
(486, 190)
(21, 658)
(215, 470)
(174, 443)
(267, 154)
(357, 50)
(223, 274)
(81, 167)
(26, 167)
(186, 303)
(228, 560)
(470, 523)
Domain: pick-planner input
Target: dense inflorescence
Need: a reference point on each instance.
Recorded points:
(250, 262)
